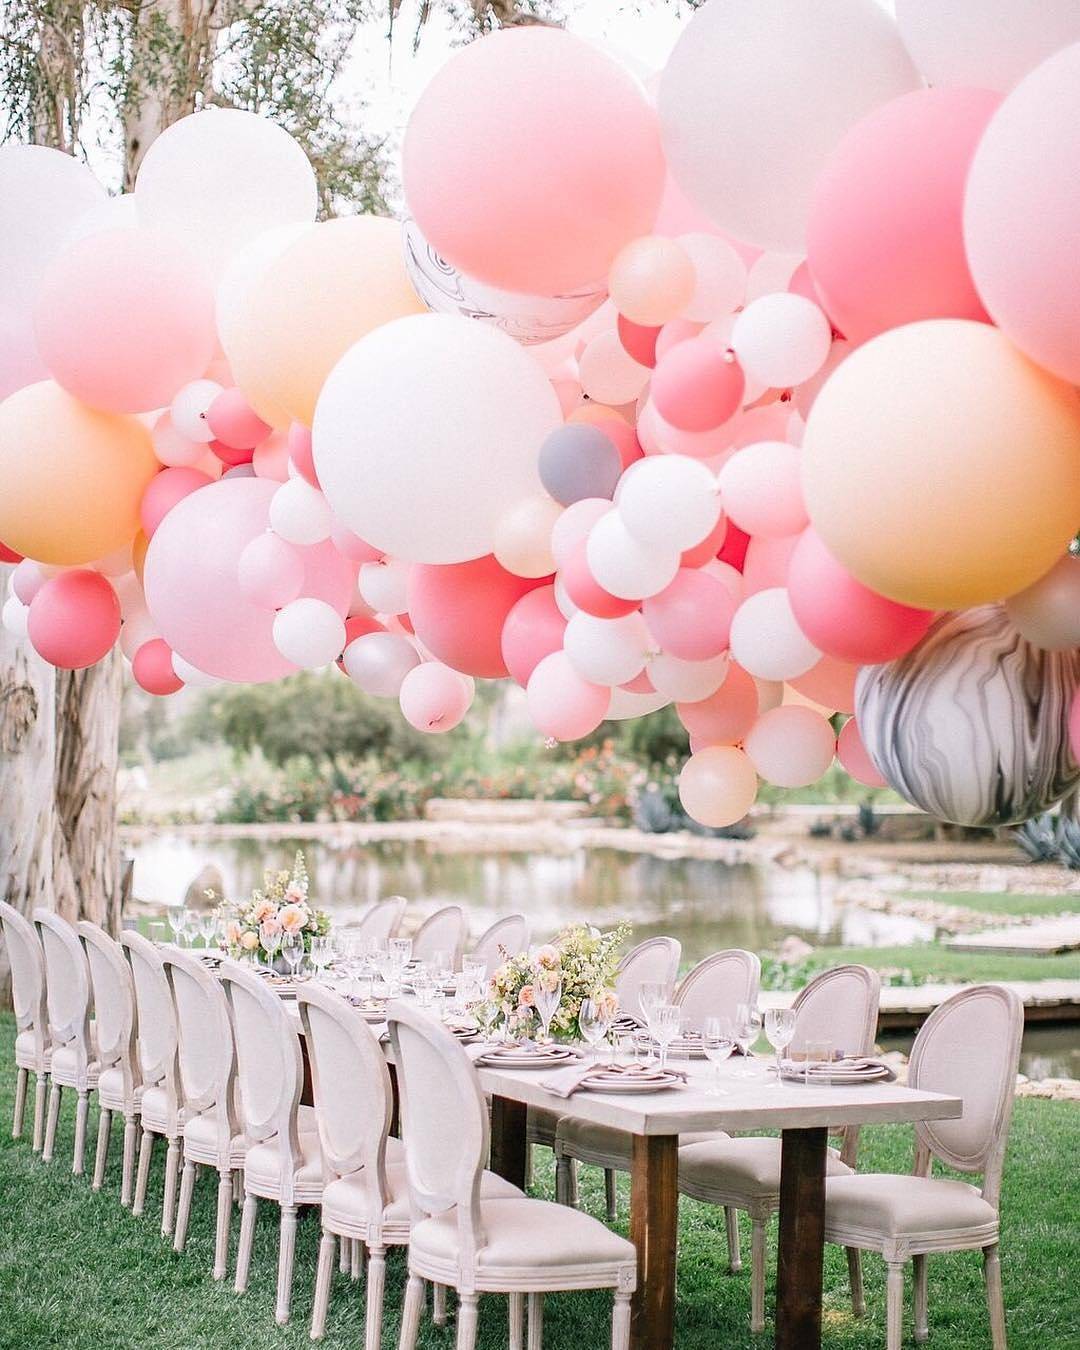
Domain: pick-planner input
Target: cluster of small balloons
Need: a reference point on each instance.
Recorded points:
(708, 387)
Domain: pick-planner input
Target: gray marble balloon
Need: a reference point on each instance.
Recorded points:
(528, 319)
(972, 724)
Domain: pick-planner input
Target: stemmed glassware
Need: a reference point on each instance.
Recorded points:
(321, 954)
(747, 1029)
(652, 994)
(209, 928)
(270, 940)
(718, 1042)
(177, 917)
(292, 946)
(547, 1003)
(665, 1026)
(594, 1021)
(779, 1031)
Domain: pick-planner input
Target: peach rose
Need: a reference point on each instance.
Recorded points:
(265, 909)
(232, 934)
(249, 941)
(292, 918)
(547, 957)
(526, 996)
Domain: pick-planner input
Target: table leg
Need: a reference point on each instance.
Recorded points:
(654, 1224)
(508, 1144)
(802, 1239)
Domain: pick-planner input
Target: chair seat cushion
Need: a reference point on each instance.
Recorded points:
(25, 1052)
(201, 1132)
(111, 1089)
(262, 1164)
(64, 1065)
(526, 1235)
(541, 1125)
(743, 1167)
(345, 1200)
(607, 1145)
(154, 1109)
(903, 1206)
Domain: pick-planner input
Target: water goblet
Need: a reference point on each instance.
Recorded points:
(270, 941)
(779, 1031)
(176, 917)
(399, 951)
(292, 947)
(652, 994)
(666, 1024)
(747, 1029)
(190, 931)
(363, 985)
(320, 955)
(441, 966)
(208, 927)
(547, 1005)
(594, 1021)
(718, 1042)
(424, 989)
(474, 970)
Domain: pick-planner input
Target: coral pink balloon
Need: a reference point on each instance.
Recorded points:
(831, 683)
(717, 786)
(300, 452)
(691, 619)
(855, 758)
(531, 159)
(235, 422)
(434, 698)
(726, 716)
(270, 571)
(124, 318)
(163, 492)
(791, 746)
(766, 562)
(586, 592)
(1074, 727)
(533, 629)
(153, 670)
(74, 619)
(709, 547)
(842, 616)
(886, 241)
(193, 589)
(230, 456)
(761, 489)
(697, 385)
(561, 704)
(8, 555)
(623, 436)
(271, 459)
(458, 611)
(639, 340)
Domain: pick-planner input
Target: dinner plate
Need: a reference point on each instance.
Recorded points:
(839, 1074)
(629, 1083)
(542, 1058)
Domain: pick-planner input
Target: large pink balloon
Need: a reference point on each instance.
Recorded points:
(855, 758)
(1022, 215)
(533, 629)
(193, 589)
(726, 716)
(841, 615)
(691, 619)
(458, 611)
(886, 240)
(530, 159)
(561, 704)
(74, 619)
(124, 318)
(163, 492)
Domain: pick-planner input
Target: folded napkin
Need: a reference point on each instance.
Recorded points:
(565, 1082)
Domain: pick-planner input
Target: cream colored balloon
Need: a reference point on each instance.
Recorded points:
(523, 537)
(717, 786)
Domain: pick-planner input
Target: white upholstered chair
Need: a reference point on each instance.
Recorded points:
(508, 935)
(67, 991)
(443, 931)
(156, 1049)
(211, 1135)
(969, 1046)
(713, 988)
(520, 1247)
(282, 1162)
(381, 922)
(118, 1075)
(655, 959)
(32, 1044)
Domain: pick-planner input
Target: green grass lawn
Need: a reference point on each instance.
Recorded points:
(934, 962)
(78, 1271)
(1003, 902)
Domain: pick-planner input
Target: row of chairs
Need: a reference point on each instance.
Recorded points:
(445, 931)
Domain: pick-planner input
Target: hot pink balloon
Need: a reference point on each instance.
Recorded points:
(230, 456)
(697, 385)
(886, 241)
(586, 592)
(74, 619)
(124, 318)
(830, 683)
(691, 618)
(561, 704)
(533, 629)
(433, 697)
(153, 670)
(193, 590)
(163, 492)
(300, 452)
(855, 758)
(270, 571)
(458, 611)
(235, 422)
(725, 717)
(842, 616)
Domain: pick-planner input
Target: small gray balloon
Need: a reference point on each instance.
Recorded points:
(578, 461)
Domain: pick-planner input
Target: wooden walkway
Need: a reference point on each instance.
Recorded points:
(1045, 937)
(903, 1008)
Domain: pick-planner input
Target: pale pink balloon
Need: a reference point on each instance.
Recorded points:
(674, 332)
(717, 786)
(354, 548)
(767, 561)
(193, 590)
(791, 746)
(74, 619)
(661, 438)
(885, 239)
(271, 459)
(300, 452)
(531, 158)
(586, 592)
(831, 683)
(697, 385)
(855, 758)
(533, 629)
(434, 698)
(691, 619)
(761, 489)
(842, 616)
(573, 526)
(124, 318)
(163, 492)
(561, 704)
(152, 668)
(725, 716)
(458, 611)
(235, 422)
(270, 571)
(27, 579)
(678, 215)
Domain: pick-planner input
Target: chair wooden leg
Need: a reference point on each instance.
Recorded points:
(101, 1153)
(919, 1295)
(146, 1150)
(82, 1114)
(516, 1338)
(183, 1211)
(610, 1197)
(376, 1284)
(410, 1313)
(854, 1268)
(345, 1256)
(357, 1255)
(894, 1305)
(529, 1174)
(247, 1238)
(620, 1323)
(21, 1078)
(221, 1228)
(467, 1320)
(41, 1084)
(168, 1200)
(563, 1167)
(757, 1275)
(286, 1251)
(55, 1092)
(324, 1274)
(536, 1321)
(731, 1223)
(127, 1166)
(438, 1304)
(995, 1298)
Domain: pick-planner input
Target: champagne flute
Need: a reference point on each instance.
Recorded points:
(594, 1022)
(320, 956)
(399, 951)
(292, 946)
(547, 1005)
(652, 994)
(190, 929)
(779, 1031)
(270, 941)
(176, 917)
(666, 1024)
(747, 1029)
(717, 1040)
(208, 927)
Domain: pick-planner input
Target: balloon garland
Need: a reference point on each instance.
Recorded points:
(715, 394)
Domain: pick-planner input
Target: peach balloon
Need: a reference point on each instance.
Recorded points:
(651, 280)
(725, 716)
(328, 289)
(434, 698)
(855, 758)
(830, 683)
(941, 467)
(791, 746)
(523, 537)
(717, 786)
(72, 477)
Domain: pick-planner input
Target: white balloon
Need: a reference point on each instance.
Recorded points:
(427, 431)
(625, 704)
(300, 513)
(137, 628)
(116, 564)
(626, 566)
(191, 675)
(781, 339)
(608, 373)
(607, 651)
(766, 640)
(245, 270)
(688, 681)
(574, 525)
(384, 585)
(1047, 614)
(566, 606)
(668, 501)
(188, 411)
(378, 662)
(309, 633)
(115, 213)
(791, 746)
(771, 272)
(171, 448)
(756, 95)
(720, 277)
(15, 616)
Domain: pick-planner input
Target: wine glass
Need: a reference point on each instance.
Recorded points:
(747, 1029)
(718, 1042)
(665, 1026)
(779, 1031)
(270, 940)
(208, 927)
(440, 967)
(547, 1005)
(651, 995)
(594, 1022)
(474, 970)
(292, 946)
(320, 955)
(156, 931)
(399, 952)
(176, 915)
(190, 930)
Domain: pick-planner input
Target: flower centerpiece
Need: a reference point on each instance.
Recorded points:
(580, 959)
(280, 905)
